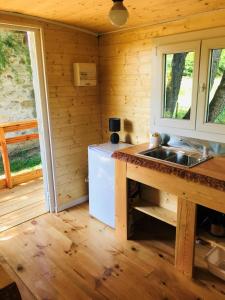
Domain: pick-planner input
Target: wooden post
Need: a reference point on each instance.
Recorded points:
(185, 236)
(5, 159)
(121, 199)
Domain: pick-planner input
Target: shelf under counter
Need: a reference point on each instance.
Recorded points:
(160, 213)
(210, 239)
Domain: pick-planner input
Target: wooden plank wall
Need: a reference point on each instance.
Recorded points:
(74, 111)
(125, 72)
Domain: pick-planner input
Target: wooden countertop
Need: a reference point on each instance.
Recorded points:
(210, 173)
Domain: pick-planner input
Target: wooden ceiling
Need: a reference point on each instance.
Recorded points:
(92, 14)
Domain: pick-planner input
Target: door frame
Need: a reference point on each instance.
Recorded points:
(36, 47)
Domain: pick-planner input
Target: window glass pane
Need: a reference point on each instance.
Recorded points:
(216, 91)
(178, 85)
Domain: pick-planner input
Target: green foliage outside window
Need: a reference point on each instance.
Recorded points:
(13, 44)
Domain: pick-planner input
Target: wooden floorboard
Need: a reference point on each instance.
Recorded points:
(21, 189)
(24, 291)
(21, 203)
(71, 255)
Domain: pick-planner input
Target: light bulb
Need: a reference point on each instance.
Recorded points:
(118, 14)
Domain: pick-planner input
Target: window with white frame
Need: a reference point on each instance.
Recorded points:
(189, 87)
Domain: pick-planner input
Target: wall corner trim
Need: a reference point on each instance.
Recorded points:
(72, 203)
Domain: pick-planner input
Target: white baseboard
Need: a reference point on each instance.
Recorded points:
(72, 203)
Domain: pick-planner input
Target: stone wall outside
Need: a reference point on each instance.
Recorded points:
(17, 100)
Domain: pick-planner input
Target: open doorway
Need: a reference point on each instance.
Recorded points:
(26, 173)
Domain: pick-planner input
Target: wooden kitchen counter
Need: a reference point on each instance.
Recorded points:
(201, 185)
(210, 173)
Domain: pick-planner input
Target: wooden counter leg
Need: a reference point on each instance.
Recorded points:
(185, 236)
(121, 199)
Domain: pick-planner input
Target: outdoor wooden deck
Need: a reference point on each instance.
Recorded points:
(21, 203)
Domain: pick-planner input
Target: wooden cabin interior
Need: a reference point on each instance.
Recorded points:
(130, 200)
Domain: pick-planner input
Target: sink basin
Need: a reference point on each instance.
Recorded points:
(184, 160)
(159, 153)
(174, 156)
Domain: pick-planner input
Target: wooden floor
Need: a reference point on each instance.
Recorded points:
(21, 203)
(73, 256)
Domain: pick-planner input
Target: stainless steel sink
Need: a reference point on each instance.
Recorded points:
(174, 156)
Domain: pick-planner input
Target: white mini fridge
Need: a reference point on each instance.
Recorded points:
(101, 169)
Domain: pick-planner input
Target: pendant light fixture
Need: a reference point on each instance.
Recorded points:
(118, 14)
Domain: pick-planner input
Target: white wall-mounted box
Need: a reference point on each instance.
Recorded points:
(85, 74)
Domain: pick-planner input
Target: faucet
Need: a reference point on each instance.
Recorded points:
(205, 151)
